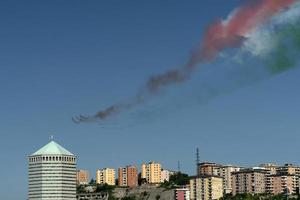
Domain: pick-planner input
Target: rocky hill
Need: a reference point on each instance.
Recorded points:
(144, 193)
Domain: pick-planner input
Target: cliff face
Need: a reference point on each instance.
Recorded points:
(144, 193)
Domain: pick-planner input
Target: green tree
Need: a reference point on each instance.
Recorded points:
(179, 179)
(92, 182)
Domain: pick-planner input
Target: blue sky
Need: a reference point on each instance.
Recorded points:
(63, 58)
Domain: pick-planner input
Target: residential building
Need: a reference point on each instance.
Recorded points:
(271, 169)
(206, 187)
(165, 175)
(128, 176)
(144, 171)
(251, 180)
(151, 172)
(182, 194)
(82, 177)
(283, 184)
(52, 173)
(195, 188)
(289, 169)
(208, 169)
(105, 176)
(225, 173)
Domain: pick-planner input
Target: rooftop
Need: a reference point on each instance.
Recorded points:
(52, 148)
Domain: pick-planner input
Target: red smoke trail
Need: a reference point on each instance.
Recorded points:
(226, 34)
(220, 35)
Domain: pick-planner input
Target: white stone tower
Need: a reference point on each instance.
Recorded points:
(52, 174)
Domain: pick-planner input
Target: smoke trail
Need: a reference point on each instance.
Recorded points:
(233, 32)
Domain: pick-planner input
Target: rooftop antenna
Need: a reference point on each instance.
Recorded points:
(51, 138)
(197, 156)
(197, 159)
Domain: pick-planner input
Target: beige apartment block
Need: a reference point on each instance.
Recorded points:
(105, 176)
(225, 173)
(206, 188)
(214, 169)
(151, 172)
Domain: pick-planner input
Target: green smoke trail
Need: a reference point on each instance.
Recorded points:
(285, 55)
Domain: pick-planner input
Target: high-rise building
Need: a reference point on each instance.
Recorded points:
(225, 173)
(208, 169)
(283, 184)
(128, 176)
(214, 169)
(206, 187)
(271, 170)
(182, 194)
(251, 180)
(105, 176)
(151, 172)
(52, 173)
(82, 177)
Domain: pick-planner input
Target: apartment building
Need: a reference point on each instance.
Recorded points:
(225, 172)
(206, 187)
(283, 184)
(105, 176)
(288, 169)
(165, 175)
(82, 177)
(251, 180)
(151, 172)
(208, 169)
(182, 194)
(128, 176)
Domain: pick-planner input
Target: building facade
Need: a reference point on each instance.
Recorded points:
(288, 169)
(251, 181)
(151, 172)
(182, 194)
(82, 177)
(165, 175)
(52, 174)
(105, 176)
(128, 176)
(208, 169)
(225, 173)
(206, 188)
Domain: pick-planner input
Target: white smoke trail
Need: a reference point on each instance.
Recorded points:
(261, 41)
